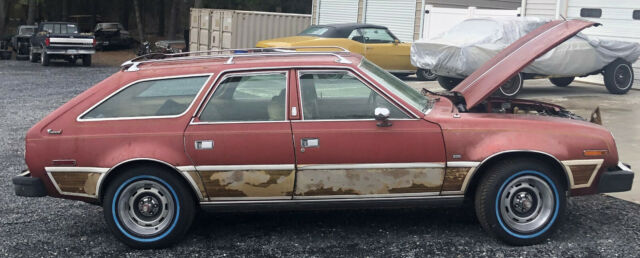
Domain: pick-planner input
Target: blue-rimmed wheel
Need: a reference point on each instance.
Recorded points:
(521, 201)
(148, 207)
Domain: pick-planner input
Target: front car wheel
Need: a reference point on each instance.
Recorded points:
(520, 201)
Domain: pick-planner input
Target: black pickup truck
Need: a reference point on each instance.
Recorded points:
(21, 41)
(61, 40)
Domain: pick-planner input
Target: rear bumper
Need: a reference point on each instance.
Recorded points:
(27, 186)
(618, 180)
(70, 51)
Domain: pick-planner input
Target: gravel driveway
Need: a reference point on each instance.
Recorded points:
(35, 227)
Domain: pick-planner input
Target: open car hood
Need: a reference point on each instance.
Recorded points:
(508, 62)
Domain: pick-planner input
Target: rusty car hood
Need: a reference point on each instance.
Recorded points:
(508, 62)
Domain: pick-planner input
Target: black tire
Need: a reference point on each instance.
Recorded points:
(426, 75)
(516, 179)
(33, 57)
(512, 87)
(172, 195)
(448, 83)
(562, 81)
(618, 76)
(44, 59)
(86, 60)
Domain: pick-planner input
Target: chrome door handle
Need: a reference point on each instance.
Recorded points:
(310, 142)
(204, 144)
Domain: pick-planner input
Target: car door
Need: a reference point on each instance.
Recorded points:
(240, 139)
(384, 49)
(342, 152)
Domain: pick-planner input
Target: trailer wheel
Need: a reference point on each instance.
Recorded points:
(618, 76)
(562, 81)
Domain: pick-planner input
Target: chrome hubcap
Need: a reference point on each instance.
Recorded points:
(146, 208)
(527, 204)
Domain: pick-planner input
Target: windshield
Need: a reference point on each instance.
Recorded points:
(314, 31)
(396, 86)
(110, 26)
(26, 31)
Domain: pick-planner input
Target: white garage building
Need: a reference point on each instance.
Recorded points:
(405, 18)
(620, 19)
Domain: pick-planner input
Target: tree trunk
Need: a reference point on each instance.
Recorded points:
(161, 21)
(198, 4)
(125, 6)
(138, 20)
(171, 33)
(31, 14)
(3, 15)
(65, 10)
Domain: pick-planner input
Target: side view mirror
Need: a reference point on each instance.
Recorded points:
(382, 115)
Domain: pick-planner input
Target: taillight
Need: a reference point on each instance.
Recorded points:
(47, 41)
(94, 42)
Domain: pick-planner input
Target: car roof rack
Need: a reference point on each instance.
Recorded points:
(230, 54)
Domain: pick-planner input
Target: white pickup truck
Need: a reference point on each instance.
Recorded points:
(61, 40)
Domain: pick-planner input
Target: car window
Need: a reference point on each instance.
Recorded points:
(60, 28)
(249, 97)
(161, 97)
(340, 95)
(356, 36)
(314, 31)
(26, 31)
(372, 35)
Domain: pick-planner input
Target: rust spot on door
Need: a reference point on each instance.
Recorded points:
(314, 182)
(248, 183)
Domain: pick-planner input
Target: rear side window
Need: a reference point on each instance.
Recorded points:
(161, 97)
(591, 12)
(636, 14)
(248, 97)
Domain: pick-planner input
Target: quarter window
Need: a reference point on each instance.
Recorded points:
(340, 95)
(253, 97)
(591, 12)
(372, 35)
(162, 97)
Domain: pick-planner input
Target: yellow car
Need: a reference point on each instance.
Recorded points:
(374, 42)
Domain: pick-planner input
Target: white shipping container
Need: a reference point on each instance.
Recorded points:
(229, 29)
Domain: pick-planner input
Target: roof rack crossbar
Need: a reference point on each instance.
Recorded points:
(132, 65)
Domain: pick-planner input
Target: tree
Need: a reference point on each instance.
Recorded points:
(136, 7)
(4, 5)
(31, 14)
(173, 15)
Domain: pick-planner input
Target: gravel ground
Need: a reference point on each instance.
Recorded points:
(35, 227)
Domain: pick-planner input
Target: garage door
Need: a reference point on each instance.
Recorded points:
(398, 16)
(337, 11)
(620, 20)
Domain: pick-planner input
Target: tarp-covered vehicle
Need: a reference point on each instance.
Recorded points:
(455, 54)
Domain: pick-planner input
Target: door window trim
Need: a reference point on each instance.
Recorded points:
(205, 101)
(367, 84)
(207, 82)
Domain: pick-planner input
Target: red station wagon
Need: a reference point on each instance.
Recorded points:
(164, 138)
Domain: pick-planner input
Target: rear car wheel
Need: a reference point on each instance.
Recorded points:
(512, 87)
(148, 207)
(86, 60)
(44, 59)
(33, 57)
(520, 201)
(618, 76)
(448, 83)
(562, 81)
(426, 75)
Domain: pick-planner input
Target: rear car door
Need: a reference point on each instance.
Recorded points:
(240, 140)
(381, 48)
(341, 152)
